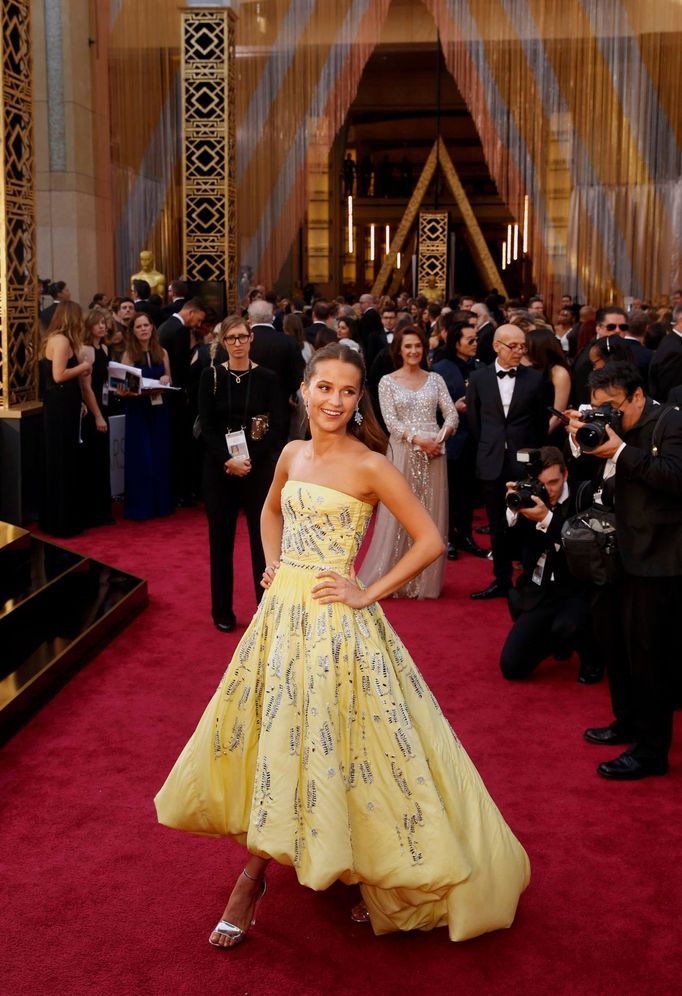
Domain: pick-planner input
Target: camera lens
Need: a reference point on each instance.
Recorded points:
(514, 501)
(589, 437)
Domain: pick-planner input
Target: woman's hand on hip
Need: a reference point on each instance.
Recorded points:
(335, 588)
(269, 574)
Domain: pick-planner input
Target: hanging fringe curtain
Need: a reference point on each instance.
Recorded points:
(577, 105)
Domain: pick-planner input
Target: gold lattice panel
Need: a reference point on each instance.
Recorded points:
(18, 292)
(209, 138)
(432, 266)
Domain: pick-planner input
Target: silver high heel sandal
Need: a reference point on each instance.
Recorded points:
(231, 930)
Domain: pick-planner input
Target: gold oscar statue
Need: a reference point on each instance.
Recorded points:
(156, 280)
(431, 292)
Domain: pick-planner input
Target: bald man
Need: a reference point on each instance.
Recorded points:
(507, 411)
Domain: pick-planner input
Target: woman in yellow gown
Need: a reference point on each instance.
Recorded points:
(323, 747)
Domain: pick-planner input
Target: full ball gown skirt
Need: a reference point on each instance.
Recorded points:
(324, 749)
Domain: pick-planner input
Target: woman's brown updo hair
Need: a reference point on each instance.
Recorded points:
(369, 431)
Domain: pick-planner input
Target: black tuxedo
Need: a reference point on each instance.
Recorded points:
(370, 322)
(175, 339)
(550, 609)
(665, 371)
(173, 308)
(281, 354)
(377, 341)
(647, 496)
(498, 438)
(484, 351)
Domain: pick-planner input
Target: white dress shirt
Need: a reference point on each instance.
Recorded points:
(506, 387)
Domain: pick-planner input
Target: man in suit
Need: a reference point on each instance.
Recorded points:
(610, 320)
(322, 322)
(177, 295)
(175, 337)
(370, 320)
(378, 340)
(639, 323)
(550, 609)
(279, 353)
(141, 294)
(665, 371)
(507, 409)
(643, 471)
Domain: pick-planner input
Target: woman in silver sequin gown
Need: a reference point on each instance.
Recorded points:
(410, 399)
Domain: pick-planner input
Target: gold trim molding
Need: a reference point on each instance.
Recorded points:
(18, 285)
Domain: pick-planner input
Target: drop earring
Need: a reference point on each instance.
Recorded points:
(358, 417)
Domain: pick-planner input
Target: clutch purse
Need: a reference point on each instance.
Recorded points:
(259, 426)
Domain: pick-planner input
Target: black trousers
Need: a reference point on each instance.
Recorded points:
(181, 446)
(462, 489)
(496, 509)
(650, 607)
(606, 605)
(559, 623)
(224, 496)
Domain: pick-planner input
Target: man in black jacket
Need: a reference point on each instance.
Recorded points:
(370, 320)
(279, 353)
(507, 410)
(550, 609)
(665, 371)
(644, 469)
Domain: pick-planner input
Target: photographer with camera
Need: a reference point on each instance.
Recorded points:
(550, 609)
(640, 443)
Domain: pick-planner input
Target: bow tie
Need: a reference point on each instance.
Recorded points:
(507, 373)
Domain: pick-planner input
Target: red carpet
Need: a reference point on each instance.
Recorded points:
(98, 899)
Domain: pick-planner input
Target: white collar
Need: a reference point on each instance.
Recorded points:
(504, 369)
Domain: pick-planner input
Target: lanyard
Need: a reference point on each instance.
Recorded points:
(229, 397)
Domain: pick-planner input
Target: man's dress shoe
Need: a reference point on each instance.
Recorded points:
(590, 674)
(628, 768)
(494, 590)
(469, 545)
(225, 623)
(607, 736)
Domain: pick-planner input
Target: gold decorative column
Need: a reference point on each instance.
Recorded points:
(18, 290)
(209, 147)
(432, 266)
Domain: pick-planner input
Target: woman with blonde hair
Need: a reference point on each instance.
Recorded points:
(62, 379)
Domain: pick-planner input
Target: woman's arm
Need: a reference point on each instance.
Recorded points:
(561, 379)
(389, 485)
(447, 407)
(87, 355)
(271, 522)
(61, 353)
(166, 378)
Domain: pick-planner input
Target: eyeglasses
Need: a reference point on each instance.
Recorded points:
(232, 340)
(611, 327)
(515, 347)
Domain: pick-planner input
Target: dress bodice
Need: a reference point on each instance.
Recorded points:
(405, 410)
(322, 527)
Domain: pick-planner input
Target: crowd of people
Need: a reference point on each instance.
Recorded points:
(460, 391)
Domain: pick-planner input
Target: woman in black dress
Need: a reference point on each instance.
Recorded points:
(233, 396)
(95, 427)
(61, 376)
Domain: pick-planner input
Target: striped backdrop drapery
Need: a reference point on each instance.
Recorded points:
(576, 103)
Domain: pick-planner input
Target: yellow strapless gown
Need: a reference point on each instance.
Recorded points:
(324, 749)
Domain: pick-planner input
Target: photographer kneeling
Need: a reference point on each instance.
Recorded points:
(550, 609)
(642, 470)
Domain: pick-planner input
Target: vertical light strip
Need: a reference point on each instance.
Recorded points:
(350, 224)
(372, 249)
(509, 243)
(524, 244)
(398, 261)
(516, 242)
(388, 239)
(504, 255)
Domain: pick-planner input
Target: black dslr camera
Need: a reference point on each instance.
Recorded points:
(524, 491)
(593, 433)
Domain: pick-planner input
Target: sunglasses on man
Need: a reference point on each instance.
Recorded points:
(611, 327)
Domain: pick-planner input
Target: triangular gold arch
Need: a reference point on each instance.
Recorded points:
(483, 258)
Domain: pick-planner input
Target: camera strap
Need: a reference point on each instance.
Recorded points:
(661, 418)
